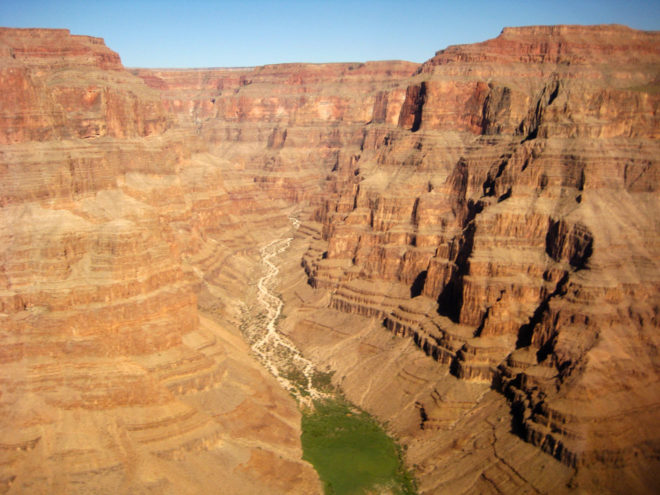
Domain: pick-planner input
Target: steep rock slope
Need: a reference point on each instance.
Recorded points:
(111, 379)
(496, 206)
(509, 226)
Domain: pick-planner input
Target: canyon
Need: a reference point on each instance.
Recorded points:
(476, 260)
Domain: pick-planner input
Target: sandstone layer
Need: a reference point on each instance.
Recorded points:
(508, 226)
(496, 208)
(113, 381)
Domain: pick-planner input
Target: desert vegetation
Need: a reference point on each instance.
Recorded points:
(349, 449)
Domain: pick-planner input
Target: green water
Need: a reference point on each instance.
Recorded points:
(351, 452)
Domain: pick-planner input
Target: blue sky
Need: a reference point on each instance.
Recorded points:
(203, 33)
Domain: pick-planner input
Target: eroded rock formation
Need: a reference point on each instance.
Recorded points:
(514, 243)
(112, 380)
(496, 207)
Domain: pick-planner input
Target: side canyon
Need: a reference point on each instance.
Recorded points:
(476, 260)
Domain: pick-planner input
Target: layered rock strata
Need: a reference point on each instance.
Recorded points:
(112, 380)
(496, 207)
(508, 226)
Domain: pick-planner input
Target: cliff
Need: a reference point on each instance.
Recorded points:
(112, 379)
(495, 207)
(506, 223)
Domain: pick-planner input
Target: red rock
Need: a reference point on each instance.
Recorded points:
(112, 379)
(532, 173)
(496, 207)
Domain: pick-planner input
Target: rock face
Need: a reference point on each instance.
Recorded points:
(519, 250)
(496, 207)
(112, 380)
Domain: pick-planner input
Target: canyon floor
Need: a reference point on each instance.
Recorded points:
(467, 249)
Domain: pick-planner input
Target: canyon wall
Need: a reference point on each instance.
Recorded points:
(112, 380)
(508, 225)
(495, 207)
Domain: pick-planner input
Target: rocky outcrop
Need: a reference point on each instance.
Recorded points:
(59, 86)
(562, 44)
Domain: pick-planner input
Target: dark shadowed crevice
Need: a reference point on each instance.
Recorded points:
(451, 297)
(418, 285)
(573, 244)
(526, 331)
(418, 107)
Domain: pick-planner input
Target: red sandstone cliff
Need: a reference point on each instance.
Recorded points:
(112, 381)
(496, 206)
(521, 249)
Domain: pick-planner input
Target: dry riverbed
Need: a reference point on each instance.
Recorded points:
(351, 452)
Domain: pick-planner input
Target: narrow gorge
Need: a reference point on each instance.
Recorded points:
(468, 247)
